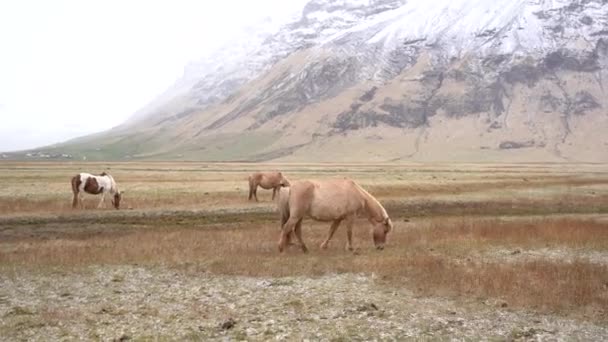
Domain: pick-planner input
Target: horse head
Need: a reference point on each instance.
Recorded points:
(380, 230)
(283, 182)
(116, 199)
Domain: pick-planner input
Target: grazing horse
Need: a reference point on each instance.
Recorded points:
(266, 180)
(95, 185)
(333, 200)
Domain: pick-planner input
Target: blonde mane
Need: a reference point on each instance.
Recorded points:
(373, 207)
(114, 186)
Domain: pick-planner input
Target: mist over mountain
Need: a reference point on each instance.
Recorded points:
(387, 80)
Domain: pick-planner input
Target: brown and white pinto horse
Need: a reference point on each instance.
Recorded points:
(95, 185)
(334, 200)
(266, 180)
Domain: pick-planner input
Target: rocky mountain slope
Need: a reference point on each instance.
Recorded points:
(383, 80)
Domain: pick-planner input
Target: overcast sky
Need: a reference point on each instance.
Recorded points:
(69, 68)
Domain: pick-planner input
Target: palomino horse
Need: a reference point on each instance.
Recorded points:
(333, 200)
(266, 180)
(95, 185)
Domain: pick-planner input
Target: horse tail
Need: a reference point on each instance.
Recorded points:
(251, 186)
(283, 204)
(75, 184)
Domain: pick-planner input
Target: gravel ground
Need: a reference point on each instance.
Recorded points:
(158, 303)
(554, 254)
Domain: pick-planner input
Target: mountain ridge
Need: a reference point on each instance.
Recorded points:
(390, 80)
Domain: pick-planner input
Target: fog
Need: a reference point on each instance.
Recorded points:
(70, 68)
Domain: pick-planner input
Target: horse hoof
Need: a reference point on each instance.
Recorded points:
(323, 246)
(304, 249)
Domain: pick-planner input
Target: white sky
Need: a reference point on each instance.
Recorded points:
(69, 68)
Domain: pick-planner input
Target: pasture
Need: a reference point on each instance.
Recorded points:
(479, 251)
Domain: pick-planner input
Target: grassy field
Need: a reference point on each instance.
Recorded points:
(479, 251)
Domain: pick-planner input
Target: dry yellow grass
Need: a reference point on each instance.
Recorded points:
(45, 187)
(446, 249)
(529, 233)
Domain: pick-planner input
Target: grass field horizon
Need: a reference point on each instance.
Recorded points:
(521, 239)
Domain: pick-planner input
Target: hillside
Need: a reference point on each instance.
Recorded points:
(387, 80)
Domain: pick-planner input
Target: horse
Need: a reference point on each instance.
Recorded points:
(95, 185)
(335, 200)
(266, 180)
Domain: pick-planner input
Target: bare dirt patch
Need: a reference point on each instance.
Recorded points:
(143, 303)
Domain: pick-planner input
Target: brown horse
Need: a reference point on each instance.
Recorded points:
(333, 200)
(266, 180)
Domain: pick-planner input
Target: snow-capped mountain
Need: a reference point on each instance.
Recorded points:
(394, 79)
(262, 45)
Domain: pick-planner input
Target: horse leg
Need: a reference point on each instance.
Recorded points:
(74, 200)
(298, 231)
(332, 230)
(289, 239)
(250, 189)
(286, 230)
(103, 197)
(349, 233)
(255, 192)
(274, 192)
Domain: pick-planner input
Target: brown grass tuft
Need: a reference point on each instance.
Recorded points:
(529, 233)
(540, 284)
